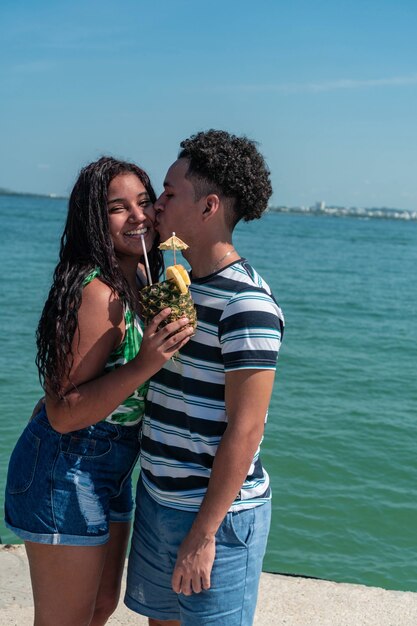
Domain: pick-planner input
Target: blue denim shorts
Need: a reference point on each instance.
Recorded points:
(65, 489)
(240, 547)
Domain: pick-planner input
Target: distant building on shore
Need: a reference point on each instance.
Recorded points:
(320, 208)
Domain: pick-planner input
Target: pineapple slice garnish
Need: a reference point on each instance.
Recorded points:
(179, 275)
(184, 274)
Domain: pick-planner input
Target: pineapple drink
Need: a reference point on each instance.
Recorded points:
(172, 292)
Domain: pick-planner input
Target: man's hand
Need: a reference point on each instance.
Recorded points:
(194, 564)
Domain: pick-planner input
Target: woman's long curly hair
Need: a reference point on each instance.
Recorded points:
(86, 244)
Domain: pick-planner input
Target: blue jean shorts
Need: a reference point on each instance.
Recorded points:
(240, 547)
(65, 489)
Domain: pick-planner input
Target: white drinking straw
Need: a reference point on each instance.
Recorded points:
(148, 271)
(173, 245)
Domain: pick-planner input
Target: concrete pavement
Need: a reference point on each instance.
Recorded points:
(283, 600)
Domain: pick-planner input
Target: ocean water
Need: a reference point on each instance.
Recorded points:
(341, 439)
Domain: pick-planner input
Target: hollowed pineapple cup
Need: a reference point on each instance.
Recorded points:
(154, 298)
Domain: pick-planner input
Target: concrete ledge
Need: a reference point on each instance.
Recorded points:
(283, 600)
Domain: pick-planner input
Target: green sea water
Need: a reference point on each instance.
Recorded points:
(341, 439)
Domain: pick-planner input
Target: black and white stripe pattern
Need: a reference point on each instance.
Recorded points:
(240, 326)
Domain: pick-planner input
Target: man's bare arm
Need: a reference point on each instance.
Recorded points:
(247, 396)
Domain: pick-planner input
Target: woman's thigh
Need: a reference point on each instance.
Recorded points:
(65, 582)
(111, 578)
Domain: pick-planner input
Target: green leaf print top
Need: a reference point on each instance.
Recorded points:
(131, 411)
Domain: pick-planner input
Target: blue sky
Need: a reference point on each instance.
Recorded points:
(327, 88)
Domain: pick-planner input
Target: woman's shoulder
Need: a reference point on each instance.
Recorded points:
(92, 274)
(98, 299)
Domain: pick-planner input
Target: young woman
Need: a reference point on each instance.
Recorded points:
(68, 493)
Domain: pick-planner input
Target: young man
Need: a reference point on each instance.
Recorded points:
(203, 502)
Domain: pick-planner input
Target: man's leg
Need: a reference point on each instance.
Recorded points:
(240, 548)
(151, 560)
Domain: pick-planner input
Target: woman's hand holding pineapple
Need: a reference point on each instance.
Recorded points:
(161, 343)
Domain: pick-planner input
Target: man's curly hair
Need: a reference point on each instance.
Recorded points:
(230, 166)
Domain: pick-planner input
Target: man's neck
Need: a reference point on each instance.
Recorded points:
(212, 259)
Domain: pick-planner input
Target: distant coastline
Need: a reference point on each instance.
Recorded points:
(28, 194)
(320, 208)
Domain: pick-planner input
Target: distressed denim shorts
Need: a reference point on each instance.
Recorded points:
(240, 546)
(65, 489)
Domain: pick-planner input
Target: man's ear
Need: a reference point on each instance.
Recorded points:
(211, 206)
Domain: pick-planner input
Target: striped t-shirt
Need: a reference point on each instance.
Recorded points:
(240, 326)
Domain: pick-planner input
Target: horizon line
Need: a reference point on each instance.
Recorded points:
(332, 85)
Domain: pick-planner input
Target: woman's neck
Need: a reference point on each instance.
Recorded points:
(129, 266)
